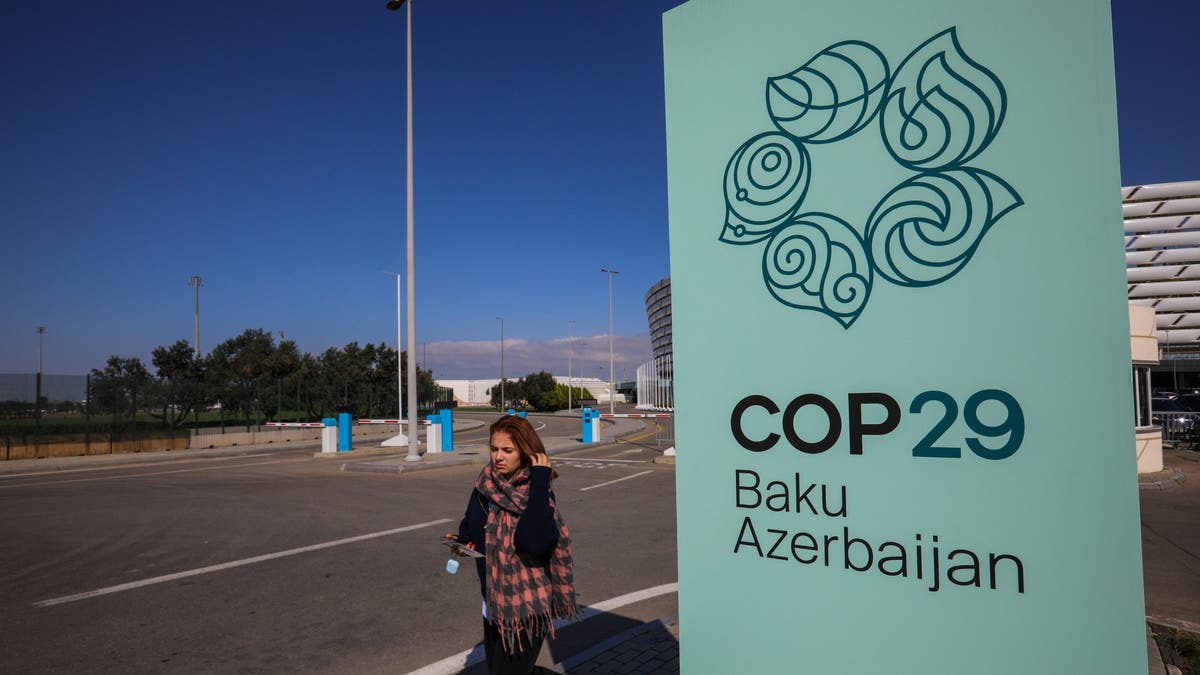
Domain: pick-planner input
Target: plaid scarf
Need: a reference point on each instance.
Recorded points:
(522, 595)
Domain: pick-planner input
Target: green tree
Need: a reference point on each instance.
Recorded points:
(280, 364)
(237, 368)
(118, 387)
(180, 382)
(557, 399)
(536, 388)
(535, 391)
(512, 394)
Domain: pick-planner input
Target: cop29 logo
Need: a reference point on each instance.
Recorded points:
(938, 111)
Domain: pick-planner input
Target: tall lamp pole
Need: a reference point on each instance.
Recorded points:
(37, 397)
(194, 282)
(570, 382)
(413, 454)
(501, 320)
(612, 388)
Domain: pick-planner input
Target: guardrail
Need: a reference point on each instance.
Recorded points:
(1178, 428)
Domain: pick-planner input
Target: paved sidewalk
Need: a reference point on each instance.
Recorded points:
(650, 648)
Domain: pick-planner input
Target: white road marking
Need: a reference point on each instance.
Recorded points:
(236, 563)
(470, 657)
(142, 475)
(634, 451)
(110, 467)
(606, 461)
(590, 487)
(600, 464)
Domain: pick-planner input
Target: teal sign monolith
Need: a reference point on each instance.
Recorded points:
(906, 436)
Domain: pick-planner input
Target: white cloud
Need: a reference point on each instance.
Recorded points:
(479, 360)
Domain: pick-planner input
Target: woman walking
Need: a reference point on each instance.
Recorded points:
(526, 572)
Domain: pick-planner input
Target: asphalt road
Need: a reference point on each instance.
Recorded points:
(1171, 545)
(278, 561)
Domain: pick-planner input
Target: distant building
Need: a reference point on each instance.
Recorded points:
(658, 314)
(1162, 267)
(479, 392)
(655, 378)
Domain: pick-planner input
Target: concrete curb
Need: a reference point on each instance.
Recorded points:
(475, 454)
(572, 662)
(1171, 477)
(85, 461)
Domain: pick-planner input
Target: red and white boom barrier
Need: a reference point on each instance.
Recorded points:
(314, 425)
(670, 452)
(421, 422)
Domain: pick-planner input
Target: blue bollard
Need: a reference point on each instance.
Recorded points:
(447, 416)
(343, 425)
(586, 417)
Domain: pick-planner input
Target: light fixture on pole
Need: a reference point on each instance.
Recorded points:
(413, 454)
(570, 382)
(502, 401)
(612, 389)
(194, 282)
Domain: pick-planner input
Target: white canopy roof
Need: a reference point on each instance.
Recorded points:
(1162, 255)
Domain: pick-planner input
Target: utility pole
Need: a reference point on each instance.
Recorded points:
(194, 282)
(502, 399)
(414, 454)
(612, 385)
(37, 396)
(569, 380)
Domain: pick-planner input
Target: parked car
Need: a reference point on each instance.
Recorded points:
(1189, 402)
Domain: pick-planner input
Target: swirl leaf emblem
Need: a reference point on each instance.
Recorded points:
(832, 96)
(926, 229)
(942, 108)
(818, 261)
(937, 111)
(765, 181)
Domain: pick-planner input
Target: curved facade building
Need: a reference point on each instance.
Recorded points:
(654, 378)
(658, 314)
(1162, 267)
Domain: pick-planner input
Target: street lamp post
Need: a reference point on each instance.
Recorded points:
(612, 389)
(37, 396)
(194, 282)
(501, 320)
(413, 454)
(570, 382)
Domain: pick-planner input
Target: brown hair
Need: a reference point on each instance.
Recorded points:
(524, 437)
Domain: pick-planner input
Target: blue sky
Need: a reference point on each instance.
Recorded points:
(261, 146)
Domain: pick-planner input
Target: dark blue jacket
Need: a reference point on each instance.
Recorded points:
(537, 534)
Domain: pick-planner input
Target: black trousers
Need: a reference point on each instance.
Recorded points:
(502, 662)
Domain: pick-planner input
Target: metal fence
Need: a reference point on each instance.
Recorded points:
(664, 431)
(23, 387)
(1179, 429)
